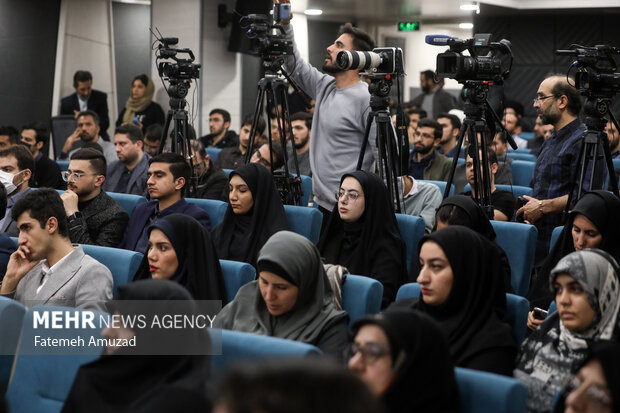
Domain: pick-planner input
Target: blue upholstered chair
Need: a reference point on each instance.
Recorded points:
(236, 274)
(522, 172)
(123, 264)
(552, 308)
(127, 201)
(481, 392)
(213, 153)
(361, 296)
(409, 290)
(442, 186)
(554, 236)
(521, 156)
(519, 243)
(411, 230)
(239, 347)
(304, 221)
(63, 165)
(215, 208)
(517, 309)
(11, 317)
(516, 190)
(306, 188)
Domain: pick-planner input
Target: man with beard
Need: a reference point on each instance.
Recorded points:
(558, 103)
(340, 114)
(88, 131)
(302, 125)
(93, 216)
(433, 99)
(46, 172)
(451, 126)
(128, 174)
(219, 136)
(425, 162)
(234, 156)
(211, 182)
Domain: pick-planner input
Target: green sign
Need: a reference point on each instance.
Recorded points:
(408, 26)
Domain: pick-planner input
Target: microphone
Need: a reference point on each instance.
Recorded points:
(437, 39)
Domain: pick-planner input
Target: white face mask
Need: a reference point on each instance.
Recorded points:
(7, 180)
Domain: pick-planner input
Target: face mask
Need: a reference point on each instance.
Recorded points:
(7, 180)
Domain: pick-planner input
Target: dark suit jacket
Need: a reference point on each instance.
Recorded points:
(97, 102)
(102, 223)
(442, 102)
(137, 180)
(47, 175)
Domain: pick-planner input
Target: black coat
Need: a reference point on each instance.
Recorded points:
(97, 102)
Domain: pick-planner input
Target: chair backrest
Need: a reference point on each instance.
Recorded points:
(304, 221)
(213, 153)
(11, 317)
(522, 172)
(521, 156)
(123, 264)
(483, 392)
(517, 309)
(409, 290)
(519, 243)
(214, 207)
(552, 308)
(42, 377)
(361, 296)
(516, 190)
(63, 165)
(240, 347)
(306, 188)
(61, 127)
(411, 231)
(127, 201)
(236, 274)
(554, 236)
(441, 185)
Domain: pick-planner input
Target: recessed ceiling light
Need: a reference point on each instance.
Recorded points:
(313, 12)
(470, 7)
(466, 25)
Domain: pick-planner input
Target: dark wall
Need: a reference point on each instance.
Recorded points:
(28, 36)
(536, 35)
(321, 35)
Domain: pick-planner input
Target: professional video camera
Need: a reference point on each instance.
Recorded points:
(381, 61)
(178, 73)
(600, 81)
(488, 61)
(268, 36)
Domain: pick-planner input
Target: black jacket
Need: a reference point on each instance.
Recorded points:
(97, 102)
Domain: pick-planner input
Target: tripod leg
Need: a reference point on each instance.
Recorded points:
(360, 160)
(258, 110)
(164, 133)
(455, 160)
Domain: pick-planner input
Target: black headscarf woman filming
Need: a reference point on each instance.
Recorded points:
(198, 267)
(241, 236)
(371, 245)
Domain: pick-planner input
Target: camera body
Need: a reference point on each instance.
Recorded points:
(180, 69)
(596, 77)
(267, 36)
(381, 61)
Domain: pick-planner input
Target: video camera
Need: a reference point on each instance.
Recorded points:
(381, 61)
(266, 34)
(600, 81)
(488, 61)
(181, 71)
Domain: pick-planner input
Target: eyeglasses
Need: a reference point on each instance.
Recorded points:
(371, 352)
(66, 175)
(541, 98)
(348, 195)
(594, 392)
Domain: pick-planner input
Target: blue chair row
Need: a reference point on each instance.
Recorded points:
(516, 190)
(411, 230)
(554, 236)
(522, 172)
(521, 156)
(63, 165)
(519, 243)
(11, 317)
(213, 153)
(442, 186)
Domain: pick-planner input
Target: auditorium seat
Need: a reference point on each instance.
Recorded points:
(236, 274)
(522, 172)
(215, 208)
(304, 221)
(11, 317)
(62, 126)
(63, 165)
(521, 156)
(230, 347)
(306, 188)
(123, 264)
(442, 186)
(516, 190)
(411, 230)
(552, 308)
(213, 153)
(519, 243)
(361, 296)
(482, 392)
(409, 290)
(554, 236)
(127, 201)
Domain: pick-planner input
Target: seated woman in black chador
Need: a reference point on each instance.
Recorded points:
(362, 234)
(255, 212)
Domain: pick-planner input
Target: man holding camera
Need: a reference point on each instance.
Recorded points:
(340, 115)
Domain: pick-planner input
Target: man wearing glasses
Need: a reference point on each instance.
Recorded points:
(93, 216)
(263, 156)
(212, 182)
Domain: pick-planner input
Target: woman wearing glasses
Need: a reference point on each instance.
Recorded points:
(404, 359)
(291, 298)
(362, 234)
(587, 293)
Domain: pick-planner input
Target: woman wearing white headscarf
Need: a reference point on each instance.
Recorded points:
(140, 108)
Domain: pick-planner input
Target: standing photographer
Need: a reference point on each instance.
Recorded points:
(340, 115)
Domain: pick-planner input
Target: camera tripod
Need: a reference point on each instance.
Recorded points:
(474, 127)
(273, 88)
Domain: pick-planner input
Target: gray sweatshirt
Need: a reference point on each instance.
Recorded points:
(338, 126)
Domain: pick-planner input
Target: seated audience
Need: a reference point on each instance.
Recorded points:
(613, 136)
(167, 176)
(234, 156)
(291, 298)
(152, 139)
(161, 373)
(16, 169)
(140, 108)
(462, 292)
(362, 234)
(211, 182)
(587, 293)
(46, 171)
(46, 268)
(404, 359)
(87, 131)
(255, 212)
(513, 125)
(182, 250)
(415, 115)
(219, 136)
(7, 246)
(592, 223)
(503, 176)
(421, 199)
(93, 216)
(263, 156)
(451, 127)
(9, 136)
(425, 162)
(128, 174)
(301, 123)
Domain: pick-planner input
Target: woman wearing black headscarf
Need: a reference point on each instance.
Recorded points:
(182, 250)
(291, 299)
(362, 234)
(461, 291)
(129, 379)
(594, 222)
(404, 359)
(255, 212)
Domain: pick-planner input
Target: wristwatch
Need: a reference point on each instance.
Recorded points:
(74, 216)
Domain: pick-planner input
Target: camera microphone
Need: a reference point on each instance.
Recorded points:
(437, 39)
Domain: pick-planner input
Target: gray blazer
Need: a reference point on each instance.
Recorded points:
(137, 180)
(81, 282)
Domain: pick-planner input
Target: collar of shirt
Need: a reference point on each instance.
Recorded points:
(47, 271)
(414, 188)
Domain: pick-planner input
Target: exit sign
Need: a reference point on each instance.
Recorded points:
(408, 26)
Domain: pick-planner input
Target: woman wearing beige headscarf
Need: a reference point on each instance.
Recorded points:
(140, 108)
